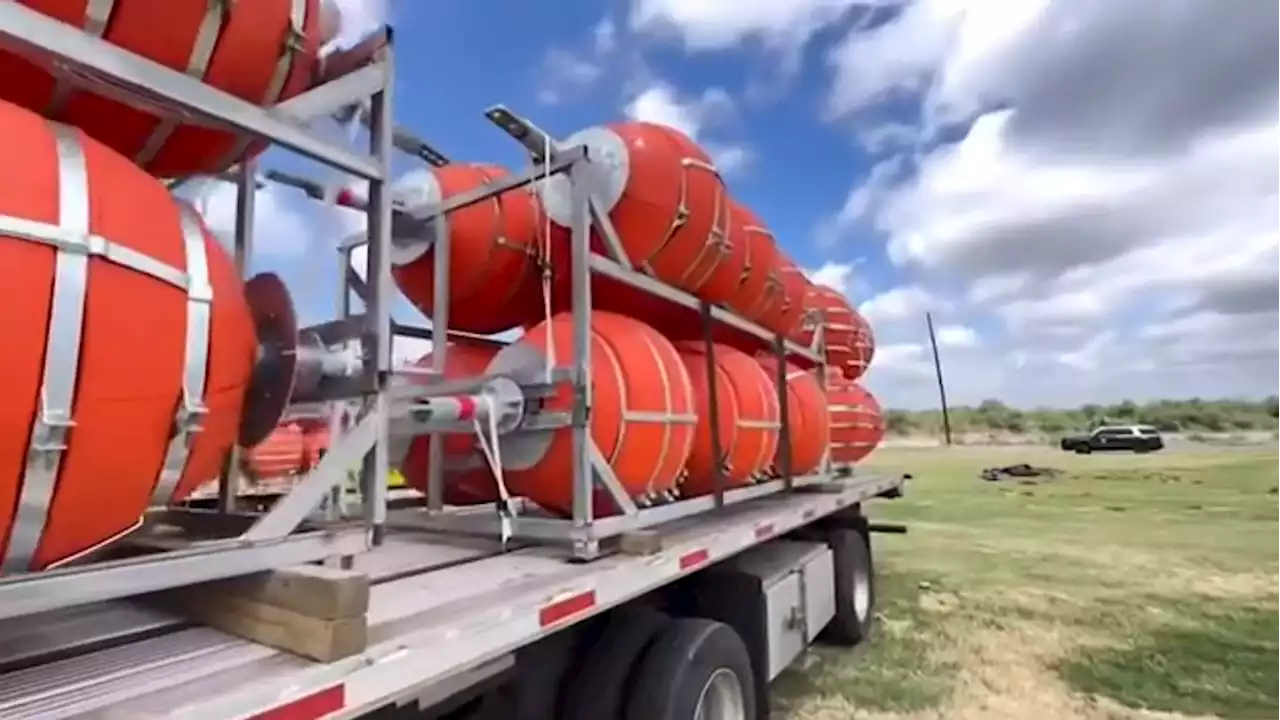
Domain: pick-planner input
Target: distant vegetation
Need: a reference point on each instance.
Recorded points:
(1189, 416)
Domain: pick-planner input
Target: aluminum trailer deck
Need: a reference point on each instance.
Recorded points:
(444, 613)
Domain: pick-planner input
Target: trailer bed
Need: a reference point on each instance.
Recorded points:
(441, 607)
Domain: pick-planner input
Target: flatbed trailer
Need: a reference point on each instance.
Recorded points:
(446, 615)
(667, 609)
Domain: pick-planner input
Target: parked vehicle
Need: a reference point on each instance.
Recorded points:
(1131, 438)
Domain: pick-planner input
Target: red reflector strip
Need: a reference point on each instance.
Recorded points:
(566, 608)
(764, 531)
(308, 707)
(694, 558)
(466, 407)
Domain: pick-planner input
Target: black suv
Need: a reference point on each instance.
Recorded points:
(1133, 438)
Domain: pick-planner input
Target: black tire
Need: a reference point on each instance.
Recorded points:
(691, 659)
(1083, 449)
(599, 688)
(855, 581)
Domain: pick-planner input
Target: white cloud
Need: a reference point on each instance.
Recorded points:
(661, 103)
(835, 275)
(721, 24)
(957, 336)
(280, 231)
(358, 19)
(565, 74)
(1110, 205)
(406, 350)
(907, 303)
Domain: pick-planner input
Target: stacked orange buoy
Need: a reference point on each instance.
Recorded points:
(467, 476)
(808, 419)
(282, 454)
(493, 279)
(105, 347)
(746, 421)
(857, 423)
(642, 414)
(294, 447)
(262, 52)
(847, 338)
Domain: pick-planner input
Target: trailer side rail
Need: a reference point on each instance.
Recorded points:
(425, 629)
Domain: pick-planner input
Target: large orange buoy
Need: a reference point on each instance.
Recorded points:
(282, 454)
(795, 288)
(642, 417)
(663, 195)
(760, 294)
(863, 349)
(857, 423)
(492, 245)
(467, 477)
(315, 443)
(807, 414)
(846, 334)
(125, 320)
(747, 420)
(263, 52)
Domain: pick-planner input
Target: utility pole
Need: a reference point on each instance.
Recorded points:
(942, 387)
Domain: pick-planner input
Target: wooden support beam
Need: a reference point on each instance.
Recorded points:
(640, 542)
(310, 610)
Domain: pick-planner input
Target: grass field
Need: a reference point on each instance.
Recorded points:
(1127, 587)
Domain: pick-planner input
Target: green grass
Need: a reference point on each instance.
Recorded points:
(895, 672)
(1214, 659)
(1126, 582)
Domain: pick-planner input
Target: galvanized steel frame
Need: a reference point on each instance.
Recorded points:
(583, 532)
(274, 539)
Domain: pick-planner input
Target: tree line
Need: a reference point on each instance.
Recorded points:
(1188, 416)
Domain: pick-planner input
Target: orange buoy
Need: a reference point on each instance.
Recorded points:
(807, 415)
(717, 268)
(642, 419)
(863, 349)
(467, 477)
(845, 333)
(262, 52)
(747, 420)
(102, 342)
(663, 195)
(491, 249)
(857, 423)
(759, 296)
(282, 454)
(315, 443)
(795, 288)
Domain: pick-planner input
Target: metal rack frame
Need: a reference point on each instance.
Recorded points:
(235, 544)
(238, 544)
(583, 532)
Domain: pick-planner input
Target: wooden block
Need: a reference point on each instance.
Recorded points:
(640, 542)
(316, 591)
(320, 639)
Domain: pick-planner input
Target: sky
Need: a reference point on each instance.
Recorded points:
(1083, 193)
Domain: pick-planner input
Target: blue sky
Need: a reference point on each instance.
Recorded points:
(1079, 235)
(800, 167)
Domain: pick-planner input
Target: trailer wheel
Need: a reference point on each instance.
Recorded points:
(697, 669)
(599, 688)
(855, 582)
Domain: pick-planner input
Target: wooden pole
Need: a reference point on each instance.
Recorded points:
(942, 387)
